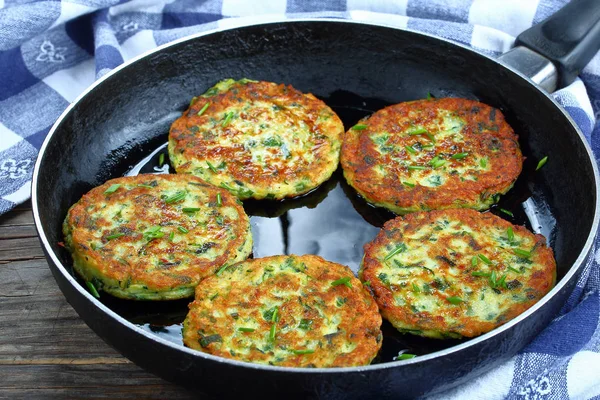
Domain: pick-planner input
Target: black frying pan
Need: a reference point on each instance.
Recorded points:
(122, 121)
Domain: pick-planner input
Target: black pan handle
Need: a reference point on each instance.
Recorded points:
(569, 38)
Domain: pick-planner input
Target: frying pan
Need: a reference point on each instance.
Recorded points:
(122, 121)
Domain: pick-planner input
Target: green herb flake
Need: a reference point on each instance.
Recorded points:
(305, 324)
(410, 149)
(483, 162)
(417, 131)
(367, 283)
(408, 184)
(92, 289)
(171, 236)
(342, 281)
(219, 200)
(416, 288)
(112, 188)
(211, 167)
(204, 108)
(359, 127)
(399, 249)
(190, 210)
(404, 356)
(522, 253)
(430, 96)
(182, 229)
(145, 186)
(416, 167)
(206, 340)
(509, 213)
(242, 329)
(485, 259)
(510, 234)
(541, 163)
(474, 261)
(454, 299)
(222, 269)
(516, 271)
(161, 159)
(115, 236)
(174, 198)
(302, 351)
(227, 118)
(459, 156)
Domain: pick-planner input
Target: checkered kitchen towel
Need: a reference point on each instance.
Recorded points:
(50, 51)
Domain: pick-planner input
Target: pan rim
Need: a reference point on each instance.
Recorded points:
(246, 22)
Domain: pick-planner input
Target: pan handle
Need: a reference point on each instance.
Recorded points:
(568, 39)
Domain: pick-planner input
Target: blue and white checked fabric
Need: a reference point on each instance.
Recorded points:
(50, 51)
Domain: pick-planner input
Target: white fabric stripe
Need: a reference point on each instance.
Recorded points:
(583, 375)
(380, 6)
(238, 8)
(8, 138)
(399, 21)
(148, 6)
(491, 39)
(69, 11)
(511, 16)
(20, 195)
(69, 83)
(137, 44)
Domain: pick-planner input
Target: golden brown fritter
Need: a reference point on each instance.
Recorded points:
(257, 139)
(154, 237)
(293, 311)
(453, 273)
(432, 154)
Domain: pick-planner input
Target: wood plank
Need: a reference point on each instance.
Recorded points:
(20, 249)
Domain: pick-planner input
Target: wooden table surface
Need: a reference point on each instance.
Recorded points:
(46, 350)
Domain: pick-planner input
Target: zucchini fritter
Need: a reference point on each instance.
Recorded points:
(154, 237)
(257, 139)
(294, 311)
(432, 154)
(455, 273)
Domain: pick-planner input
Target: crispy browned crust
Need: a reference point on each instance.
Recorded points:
(486, 134)
(266, 107)
(134, 266)
(452, 320)
(300, 287)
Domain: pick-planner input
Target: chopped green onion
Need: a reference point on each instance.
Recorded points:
(272, 332)
(429, 96)
(359, 127)
(227, 118)
(174, 198)
(502, 281)
(203, 109)
(242, 329)
(541, 163)
(112, 188)
(305, 324)
(219, 219)
(479, 273)
(342, 281)
(514, 270)
(161, 159)
(182, 229)
(93, 290)
(275, 315)
(430, 136)
(171, 236)
(483, 162)
(417, 131)
(454, 299)
(154, 233)
(223, 268)
(367, 283)
(410, 149)
(193, 100)
(114, 236)
(493, 282)
(211, 167)
(485, 259)
(416, 289)
(474, 261)
(410, 185)
(437, 162)
(459, 156)
(416, 167)
(399, 249)
(145, 186)
(509, 213)
(305, 351)
(510, 234)
(522, 253)
(219, 200)
(404, 356)
(190, 209)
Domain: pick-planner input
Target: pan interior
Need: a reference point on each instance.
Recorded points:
(356, 69)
